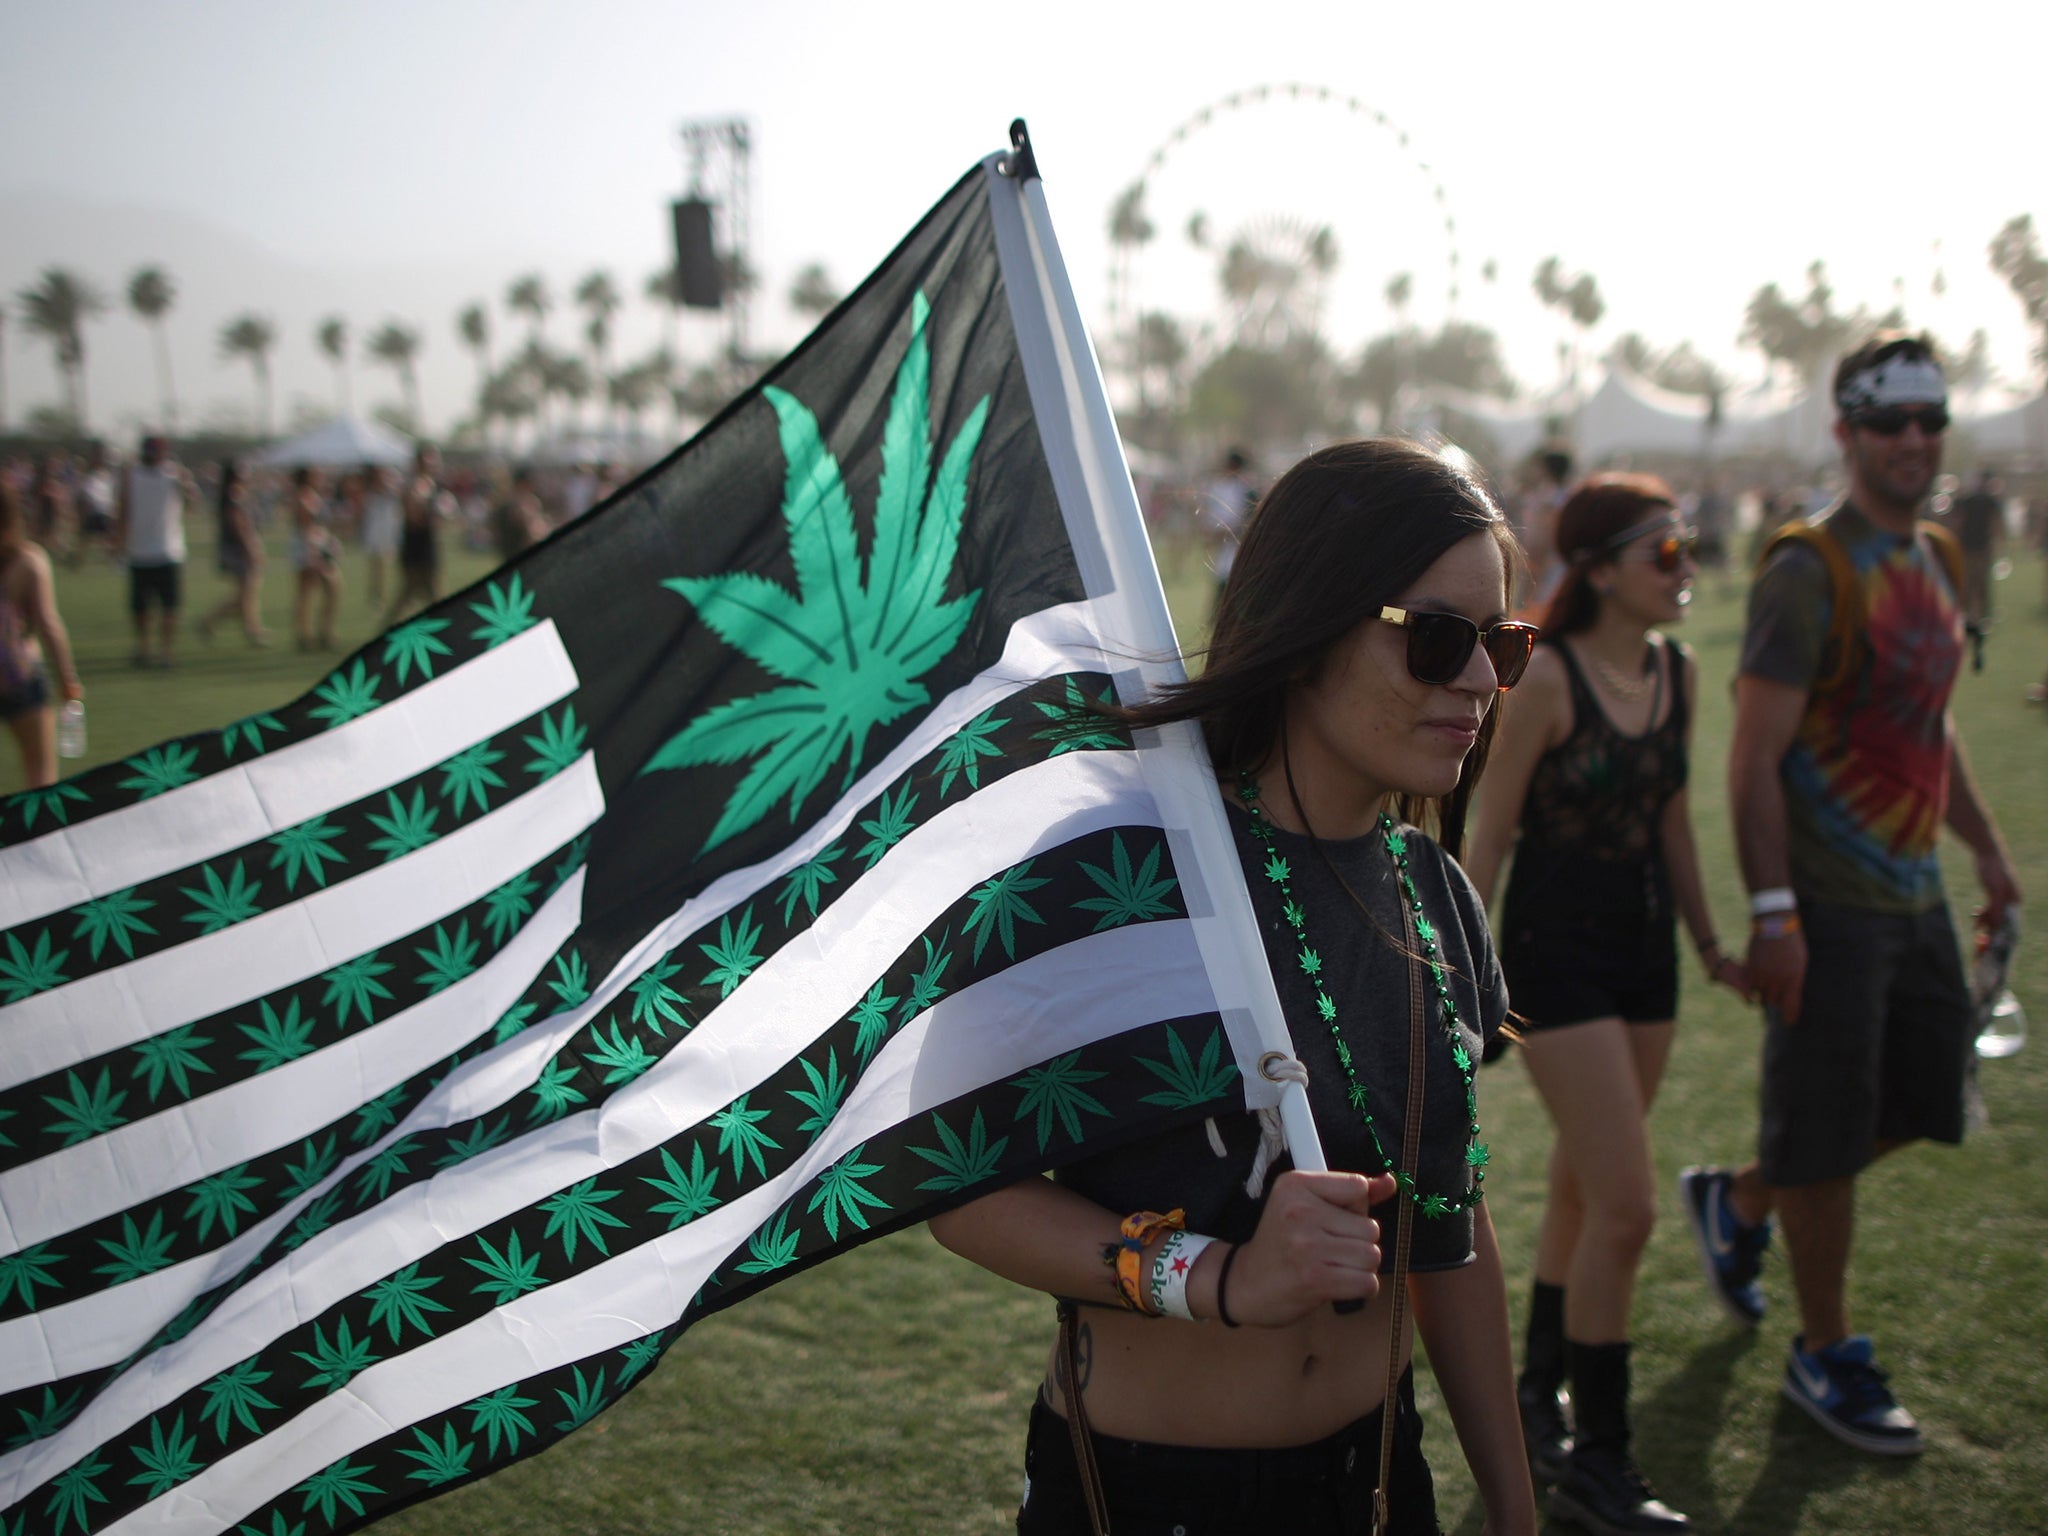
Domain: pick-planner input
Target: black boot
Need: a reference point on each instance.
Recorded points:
(1546, 1416)
(1601, 1489)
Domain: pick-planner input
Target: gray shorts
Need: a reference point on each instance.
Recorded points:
(1880, 1049)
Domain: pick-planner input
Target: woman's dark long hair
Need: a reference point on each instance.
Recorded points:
(1339, 536)
(230, 482)
(13, 522)
(1599, 510)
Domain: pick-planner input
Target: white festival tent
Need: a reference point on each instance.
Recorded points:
(1629, 415)
(343, 443)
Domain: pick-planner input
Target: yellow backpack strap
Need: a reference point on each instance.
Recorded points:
(1950, 549)
(1842, 652)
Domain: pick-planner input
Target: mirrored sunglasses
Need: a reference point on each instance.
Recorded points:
(1891, 420)
(1439, 645)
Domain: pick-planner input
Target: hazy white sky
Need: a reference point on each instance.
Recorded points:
(397, 157)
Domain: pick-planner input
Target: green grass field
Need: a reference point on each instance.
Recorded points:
(886, 1392)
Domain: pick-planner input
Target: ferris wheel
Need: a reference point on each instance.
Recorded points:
(1298, 229)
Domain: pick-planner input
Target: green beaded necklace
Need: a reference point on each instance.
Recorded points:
(1311, 965)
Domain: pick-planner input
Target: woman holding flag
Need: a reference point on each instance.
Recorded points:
(1215, 1370)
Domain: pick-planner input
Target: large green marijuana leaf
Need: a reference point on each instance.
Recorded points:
(855, 636)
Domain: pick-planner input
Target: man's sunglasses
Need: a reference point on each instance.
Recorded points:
(1439, 645)
(1891, 420)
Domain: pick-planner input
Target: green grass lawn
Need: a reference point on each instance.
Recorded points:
(886, 1392)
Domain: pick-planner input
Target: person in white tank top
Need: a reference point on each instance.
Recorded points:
(150, 533)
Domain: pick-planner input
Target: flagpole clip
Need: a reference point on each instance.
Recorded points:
(1020, 164)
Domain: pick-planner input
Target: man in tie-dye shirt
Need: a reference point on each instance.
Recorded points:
(1841, 773)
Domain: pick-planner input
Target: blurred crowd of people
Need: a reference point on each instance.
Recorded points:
(65, 510)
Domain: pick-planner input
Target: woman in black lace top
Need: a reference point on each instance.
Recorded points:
(1587, 787)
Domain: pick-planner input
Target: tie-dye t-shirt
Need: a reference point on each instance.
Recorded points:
(1866, 778)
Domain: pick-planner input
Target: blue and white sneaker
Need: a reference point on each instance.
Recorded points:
(1731, 1250)
(1846, 1395)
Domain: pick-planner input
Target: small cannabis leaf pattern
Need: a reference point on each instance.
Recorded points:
(303, 850)
(559, 743)
(25, 972)
(114, 918)
(1189, 1082)
(249, 732)
(222, 903)
(854, 638)
(1128, 895)
(999, 905)
(407, 827)
(173, 1055)
(507, 610)
(1053, 1092)
(509, 905)
(54, 799)
(346, 696)
(962, 1164)
(892, 823)
(508, 1275)
(689, 1193)
(840, 1194)
(415, 645)
(961, 756)
(137, 1252)
(469, 774)
(162, 769)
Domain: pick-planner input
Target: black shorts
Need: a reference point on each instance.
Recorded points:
(1587, 939)
(1324, 1489)
(30, 692)
(153, 586)
(1881, 1049)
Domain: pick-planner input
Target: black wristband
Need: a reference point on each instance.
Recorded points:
(1223, 1284)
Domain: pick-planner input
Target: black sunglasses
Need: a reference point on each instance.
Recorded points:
(1439, 645)
(1891, 420)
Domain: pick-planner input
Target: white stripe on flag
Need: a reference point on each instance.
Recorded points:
(257, 799)
(133, 1002)
(97, 1330)
(1089, 990)
(161, 1154)
(796, 995)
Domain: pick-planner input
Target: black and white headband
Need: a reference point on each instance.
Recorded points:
(1898, 380)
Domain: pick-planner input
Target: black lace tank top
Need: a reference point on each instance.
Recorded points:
(1600, 794)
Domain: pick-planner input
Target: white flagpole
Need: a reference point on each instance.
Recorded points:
(1107, 530)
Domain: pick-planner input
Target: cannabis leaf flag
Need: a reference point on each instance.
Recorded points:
(390, 1078)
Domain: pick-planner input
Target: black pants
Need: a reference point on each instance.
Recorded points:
(1324, 1489)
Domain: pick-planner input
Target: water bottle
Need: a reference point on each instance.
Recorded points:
(2006, 1030)
(2003, 1022)
(71, 729)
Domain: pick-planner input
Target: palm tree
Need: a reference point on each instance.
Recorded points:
(599, 296)
(56, 309)
(632, 390)
(814, 295)
(150, 295)
(3, 369)
(252, 337)
(528, 296)
(397, 346)
(473, 325)
(333, 338)
(564, 374)
(665, 286)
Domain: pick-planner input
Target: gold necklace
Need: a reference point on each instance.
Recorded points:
(1624, 686)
